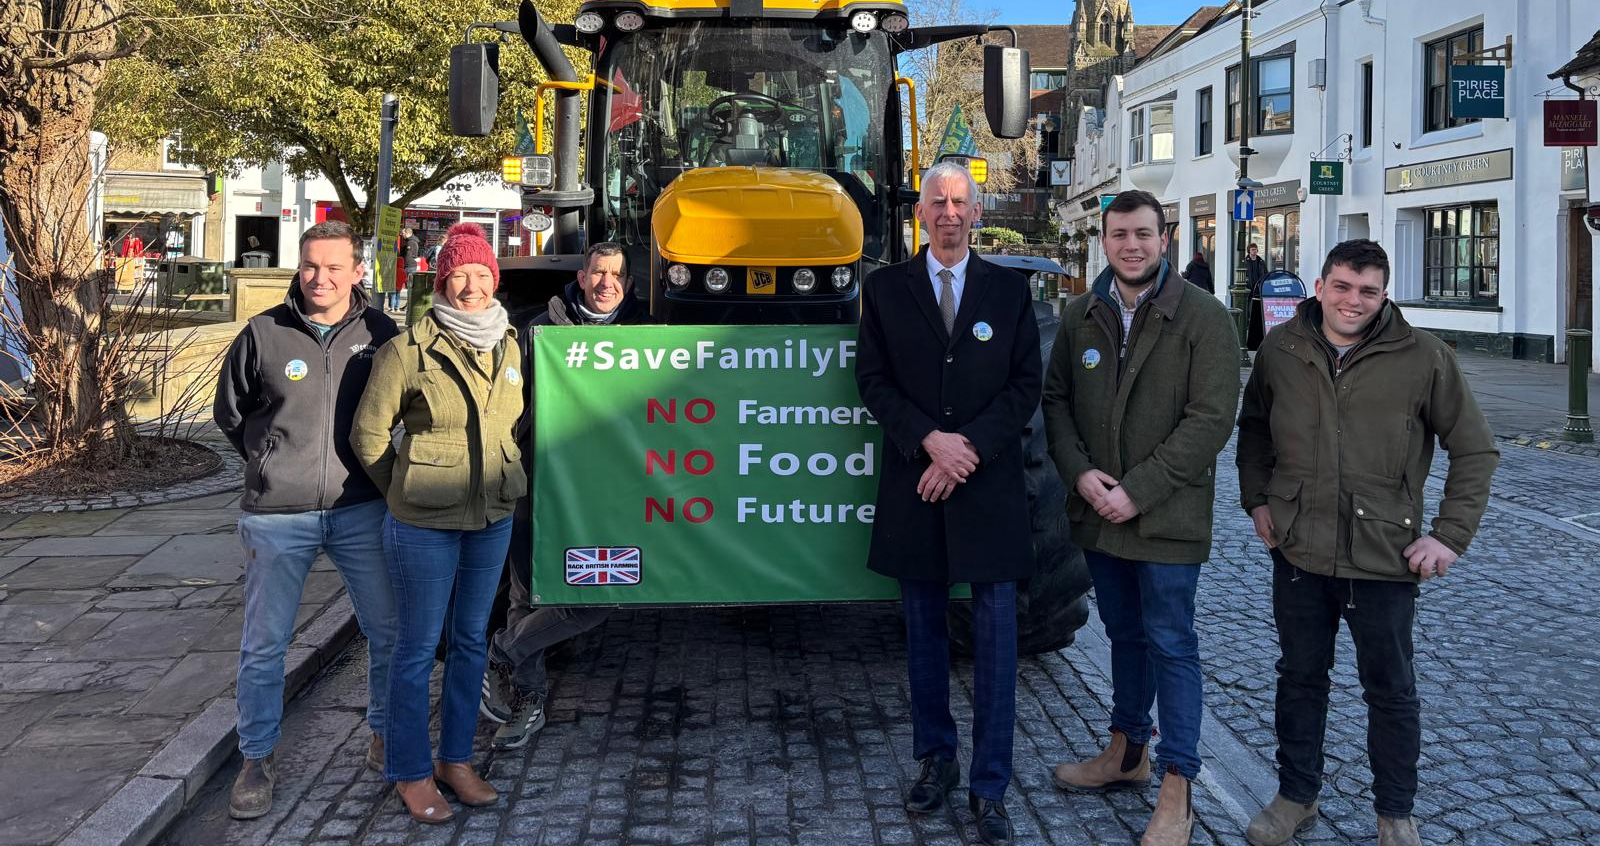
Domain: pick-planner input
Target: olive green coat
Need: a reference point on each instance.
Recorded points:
(1339, 455)
(458, 465)
(1154, 421)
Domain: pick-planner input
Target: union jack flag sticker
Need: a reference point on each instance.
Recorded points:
(603, 565)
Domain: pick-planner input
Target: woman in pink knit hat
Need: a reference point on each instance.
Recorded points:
(452, 381)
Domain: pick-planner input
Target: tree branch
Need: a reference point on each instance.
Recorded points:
(85, 57)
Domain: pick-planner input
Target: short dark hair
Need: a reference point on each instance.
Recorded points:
(1132, 201)
(1358, 254)
(606, 248)
(333, 230)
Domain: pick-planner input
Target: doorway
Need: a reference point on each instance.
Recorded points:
(255, 234)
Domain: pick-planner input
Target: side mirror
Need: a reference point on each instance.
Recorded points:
(474, 88)
(1006, 97)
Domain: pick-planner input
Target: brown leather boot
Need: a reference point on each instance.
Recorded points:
(1173, 819)
(1397, 832)
(423, 801)
(375, 754)
(251, 796)
(1122, 766)
(465, 782)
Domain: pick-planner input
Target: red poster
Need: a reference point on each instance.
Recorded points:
(1570, 123)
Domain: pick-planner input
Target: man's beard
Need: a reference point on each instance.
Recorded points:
(1141, 281)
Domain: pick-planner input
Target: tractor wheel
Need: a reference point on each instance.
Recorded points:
(1054, 604)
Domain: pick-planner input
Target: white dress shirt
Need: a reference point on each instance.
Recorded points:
(958, 272)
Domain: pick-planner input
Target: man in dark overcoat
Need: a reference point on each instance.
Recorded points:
(948, 363)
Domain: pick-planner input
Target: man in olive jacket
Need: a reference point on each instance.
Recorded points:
(1335, 441)
(1138, 400)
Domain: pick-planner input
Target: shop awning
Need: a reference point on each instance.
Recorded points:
(152, 194)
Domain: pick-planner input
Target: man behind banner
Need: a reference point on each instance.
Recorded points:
(1335, 442)
(948, 363)
(515, 684)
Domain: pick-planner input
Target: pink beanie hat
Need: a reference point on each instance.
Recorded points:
(465, 243)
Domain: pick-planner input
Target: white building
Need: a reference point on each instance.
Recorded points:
(1487, 248)
(273, 207)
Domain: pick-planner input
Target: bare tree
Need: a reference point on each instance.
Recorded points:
(53, 55)
(952, 73)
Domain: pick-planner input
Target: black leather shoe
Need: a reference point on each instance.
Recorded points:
(994, 826)
(938, 778)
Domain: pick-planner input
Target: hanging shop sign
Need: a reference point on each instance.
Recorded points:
(1570, 123)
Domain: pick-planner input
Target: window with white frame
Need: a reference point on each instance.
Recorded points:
(1150, 136)
(176, 156)
(1437, 58)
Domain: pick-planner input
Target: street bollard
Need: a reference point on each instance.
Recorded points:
(1577, 430)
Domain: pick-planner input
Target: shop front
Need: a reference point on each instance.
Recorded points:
(1203, 229)
(151, 215)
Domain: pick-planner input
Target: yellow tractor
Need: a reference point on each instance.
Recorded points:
(751, 158)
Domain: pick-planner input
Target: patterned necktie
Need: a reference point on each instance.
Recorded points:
(947, 299)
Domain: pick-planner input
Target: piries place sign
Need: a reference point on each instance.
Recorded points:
(1478, 91)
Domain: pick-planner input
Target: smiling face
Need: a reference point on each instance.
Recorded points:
(1134, 242)
(328, 270)
(948, 213)
(604, 282)
(1351, 300)
(469, 287)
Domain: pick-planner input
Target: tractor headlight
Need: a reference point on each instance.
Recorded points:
(842, 278)
(630, 21)
(863, 22)
(716, 280)
(894, 22)
(590, 23)
(678, 276)
(804, 280)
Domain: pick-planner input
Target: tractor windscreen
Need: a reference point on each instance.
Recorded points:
(715, 94)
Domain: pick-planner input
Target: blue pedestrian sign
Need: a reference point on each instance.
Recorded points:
(1244, 205)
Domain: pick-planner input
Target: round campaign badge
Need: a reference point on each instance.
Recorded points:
(981, 331)
(513, 376)
(1091, 359)
(296, 370)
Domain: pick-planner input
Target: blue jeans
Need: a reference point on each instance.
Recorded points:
(442, 578)
(994, 678)
(1148, 612)
(279, 550)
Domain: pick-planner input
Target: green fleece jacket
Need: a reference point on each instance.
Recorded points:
(1153, 419)
(458, 465)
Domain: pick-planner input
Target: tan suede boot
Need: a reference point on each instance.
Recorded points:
(1121, 766)
(1173, 819)
(1397, 832)
(1280, 821)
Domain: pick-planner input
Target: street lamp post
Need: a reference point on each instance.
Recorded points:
(1241, 287)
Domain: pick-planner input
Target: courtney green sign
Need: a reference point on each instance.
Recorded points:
(702, 464)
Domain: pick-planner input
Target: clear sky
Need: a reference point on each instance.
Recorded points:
(1060, 11)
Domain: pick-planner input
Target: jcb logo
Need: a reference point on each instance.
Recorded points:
(763, 280)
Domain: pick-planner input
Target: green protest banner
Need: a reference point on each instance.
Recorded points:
(702, 464)
(958, 138)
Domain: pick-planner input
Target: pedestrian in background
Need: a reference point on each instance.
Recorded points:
(1199, 273)
(516, 685)
(292, 367)
(454, 382)
(1138, 400)
(948, 363)
(1336, 439)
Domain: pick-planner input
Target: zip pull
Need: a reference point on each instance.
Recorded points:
(1351, 605)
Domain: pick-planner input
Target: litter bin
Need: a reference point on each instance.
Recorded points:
(256, 258)
(195, 283)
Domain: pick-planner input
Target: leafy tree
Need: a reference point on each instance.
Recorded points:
(300, 81)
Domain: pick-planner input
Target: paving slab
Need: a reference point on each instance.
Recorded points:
(87, 596)
(48, 795)
(83, 628)
(90, 571)
(19, 711)
(221, 501)
(148, 521)
(10, 564)
(7, 519)
(10, 544)
(63, 524)
(192, 560)
(60, 731)
(85, 546)
(198, 678)
(169, 633)
(35, 623)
